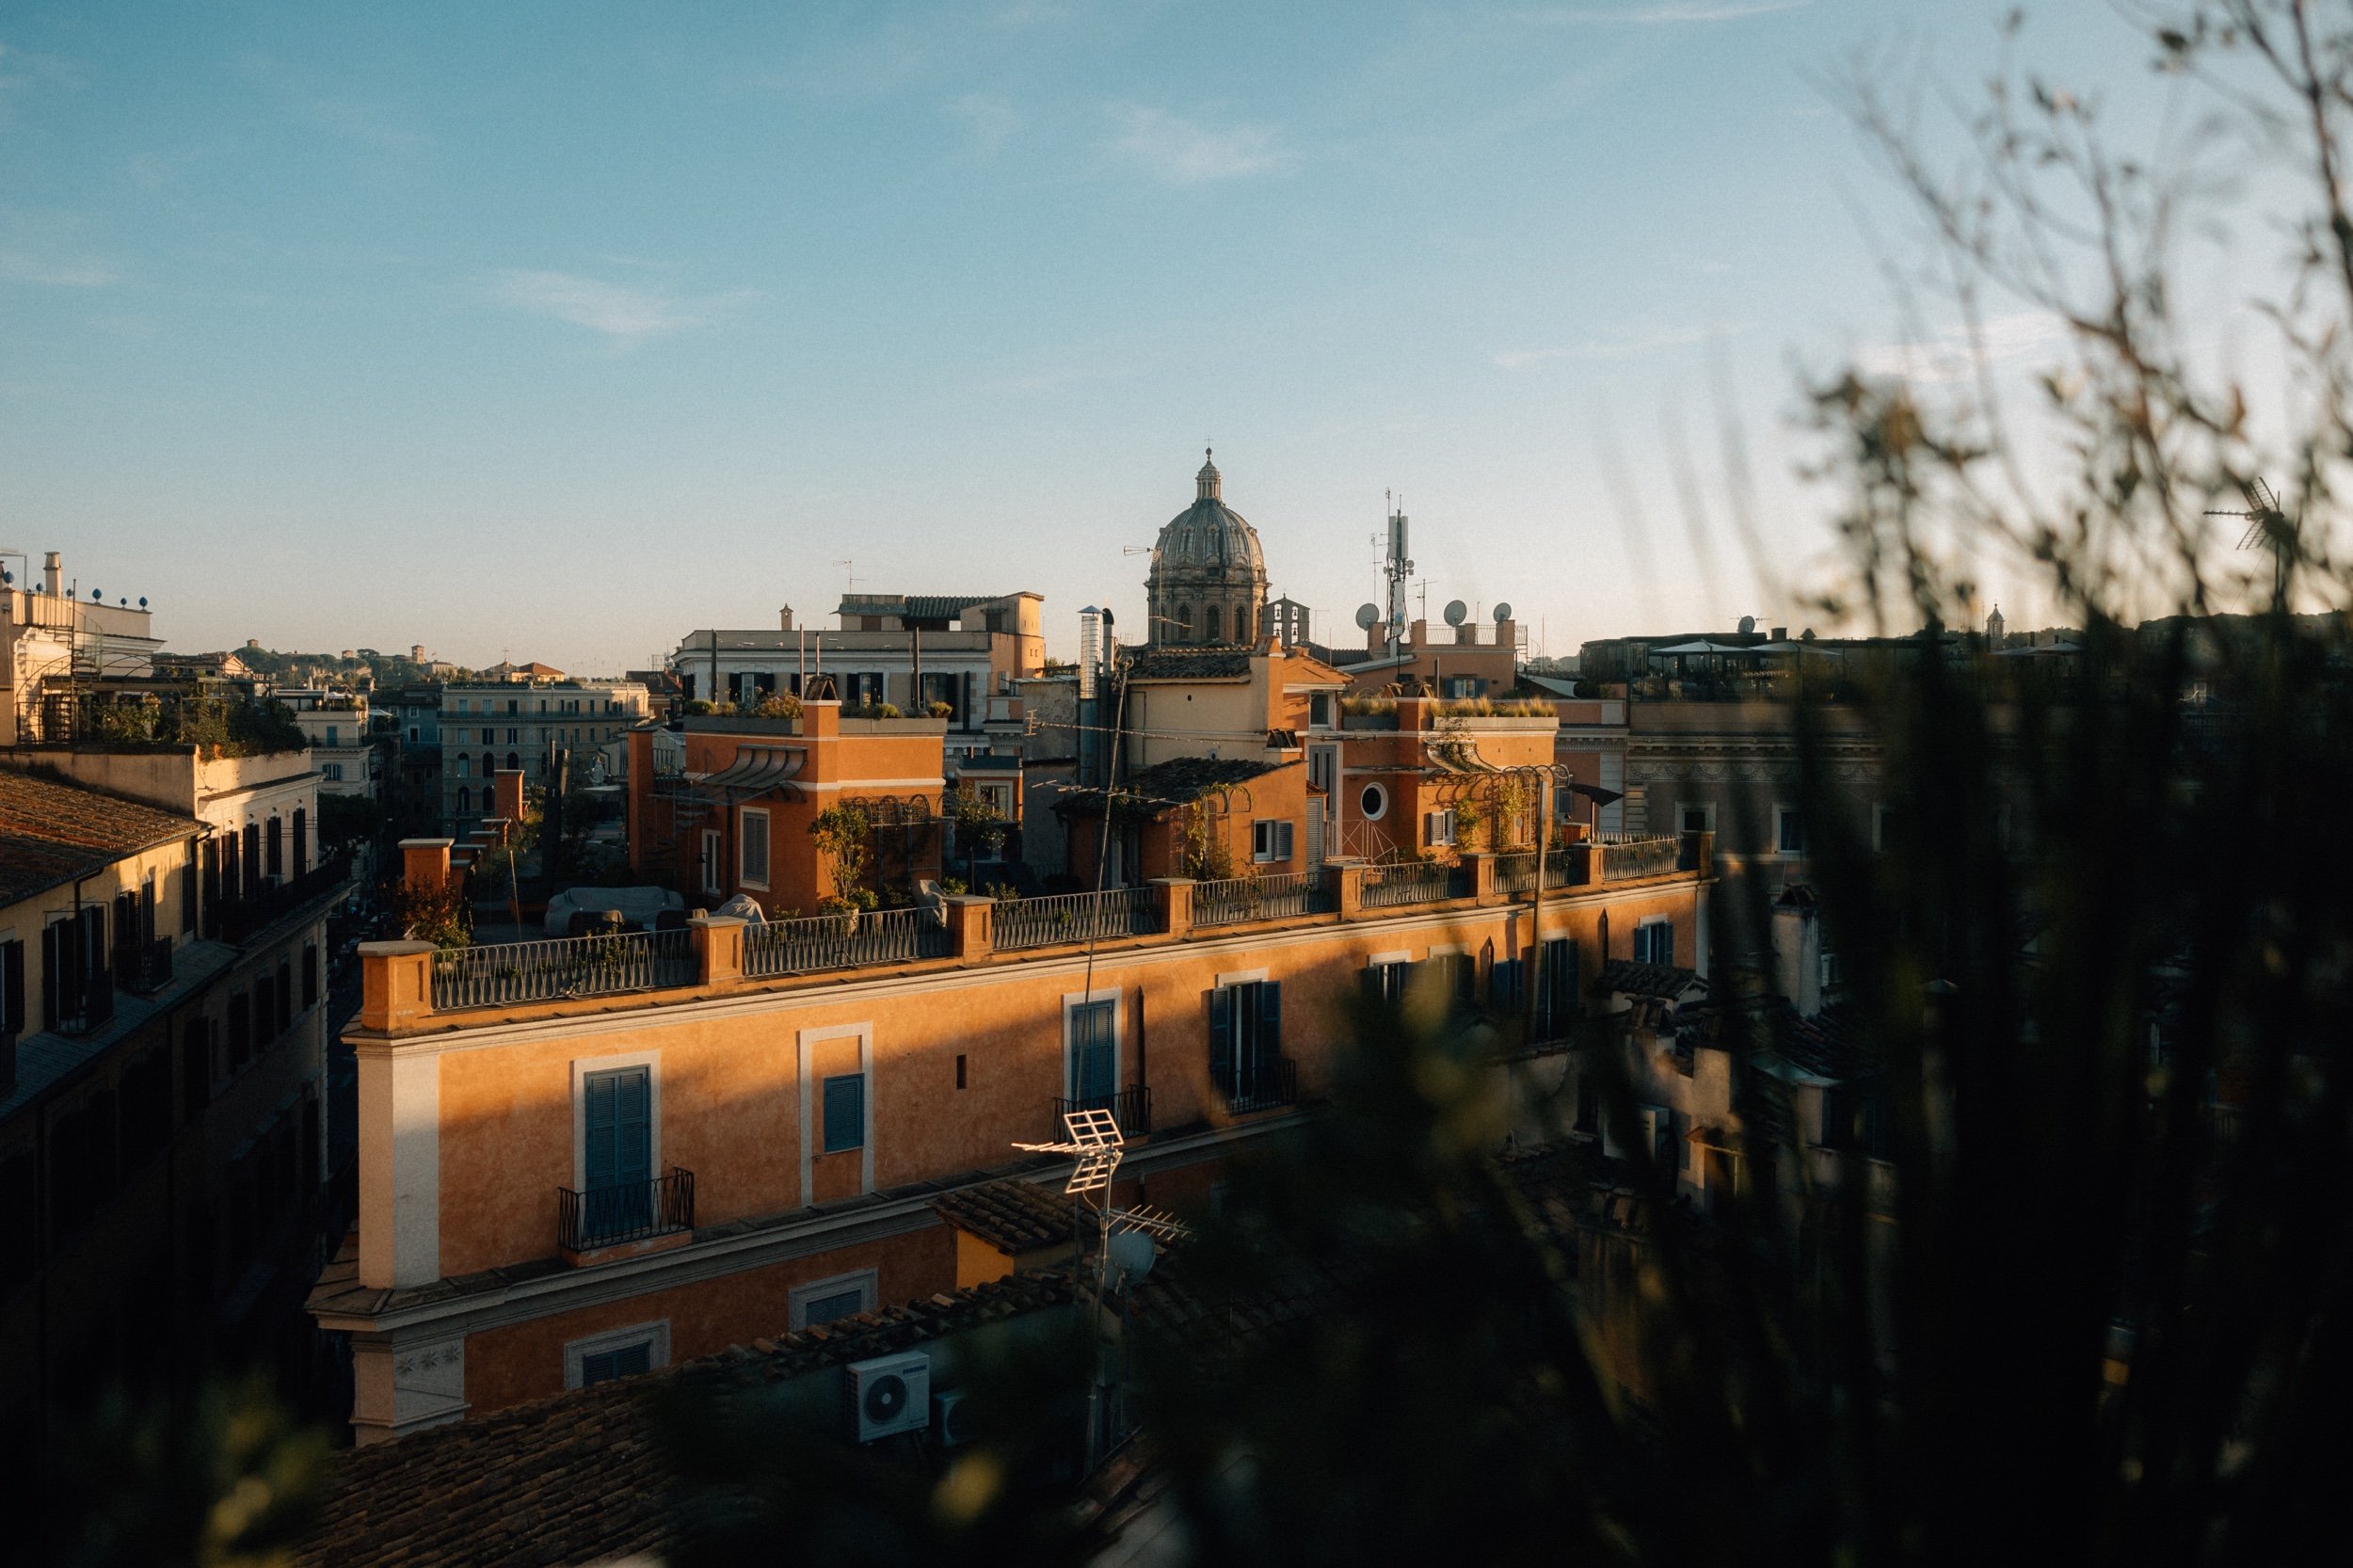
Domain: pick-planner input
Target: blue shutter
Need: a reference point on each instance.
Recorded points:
(1222, 1027)
(619, 1125)
(1503, 985)
(1091, 1054)
(1270, 1019)
(845, 1113)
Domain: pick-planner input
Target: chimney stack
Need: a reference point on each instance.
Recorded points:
(784, 618)
(424, 864)
(52, 573)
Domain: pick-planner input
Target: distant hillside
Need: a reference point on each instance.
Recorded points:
(290, 668)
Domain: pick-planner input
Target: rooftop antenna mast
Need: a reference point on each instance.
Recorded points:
(1126, 1240)
(1398, 570)
(2269, 527)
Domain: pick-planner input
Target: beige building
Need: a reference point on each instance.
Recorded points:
(520, 724)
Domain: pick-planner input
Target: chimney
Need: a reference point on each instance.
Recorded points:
(507, 796)
(1797, 950)
(424, 864)
(784, 618)
(52, 573)
(1781, 634)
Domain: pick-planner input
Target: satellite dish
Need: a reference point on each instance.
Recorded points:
(1748, 626)
(1368, 615)
(1133, 1253)
(1503, 612)
(1456, 612)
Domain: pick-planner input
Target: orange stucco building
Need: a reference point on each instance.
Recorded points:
(797, 1095)
(727, 808)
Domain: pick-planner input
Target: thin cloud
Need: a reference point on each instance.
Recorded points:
(1181, 152)
(1611, 348)
(1953, 354)
(621, 314)
(1668, 12)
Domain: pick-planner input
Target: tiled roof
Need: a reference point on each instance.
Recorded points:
(1187, 663)
(1178, 781)
(1664, 981)
(1012, 1216)
(51, 832)
(581, 1477)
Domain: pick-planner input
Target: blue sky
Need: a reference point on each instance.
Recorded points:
(561, 330)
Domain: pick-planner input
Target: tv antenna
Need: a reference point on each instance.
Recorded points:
(1126, 1240)
(2269, 527)
(850, 569)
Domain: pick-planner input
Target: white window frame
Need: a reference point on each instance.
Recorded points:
(1781, 810)
(1071, 1002)
(866, 1282)
(654, 1336)
(1707, 810)
(812, 1120)
(1651, 924)
(1438, 827)
(582, 1067)
(742, 843)
(1368, 813)
(714, 849)
(1272, 840)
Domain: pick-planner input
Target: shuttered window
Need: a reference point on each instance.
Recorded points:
(845, 1113)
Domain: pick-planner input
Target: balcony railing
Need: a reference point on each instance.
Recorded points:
(844, 942)
(632, 1211)
(1235, 898)
(1621, 862)
(144, 969)
(1264, 1085)
(1411, 882)
(1060, 918)
(92, 1010)
(1516, 873)
(1130, 1108)
(233, 921)
(570, 966)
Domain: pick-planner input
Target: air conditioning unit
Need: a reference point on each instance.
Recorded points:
(890, 1394)
(951, 1422)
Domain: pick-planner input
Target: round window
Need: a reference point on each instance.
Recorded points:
(1375, 802)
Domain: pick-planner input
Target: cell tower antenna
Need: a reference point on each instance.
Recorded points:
(1397, 569)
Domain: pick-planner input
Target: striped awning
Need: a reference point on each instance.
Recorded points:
(759, 768)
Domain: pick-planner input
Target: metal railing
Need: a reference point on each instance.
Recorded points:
(1268, 1084)
(234, 920)
(846, 942)
(630, 1211)
(146, 968)
(569, 966)
(1411, 882)
(1059, 918)
(1640, 857)
(1234, 899)
(1130, 1108)
(94, 1009)
(1516, 873)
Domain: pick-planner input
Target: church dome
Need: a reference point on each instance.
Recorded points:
(1207, 582)
(1209, 535)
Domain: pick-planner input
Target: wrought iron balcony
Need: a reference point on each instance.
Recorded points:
(1264, 1085)
(145, 970)
(503, 972)
(1130, 1108)
(630, 1211)
(1060, 918)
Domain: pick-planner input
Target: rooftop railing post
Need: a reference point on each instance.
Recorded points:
(1173, 895)
(718, 949)
(395, 984)
(1482, 875)
(968, 925)
(1348, 886)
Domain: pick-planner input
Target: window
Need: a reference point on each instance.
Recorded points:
(1091, 1045)
(753, 871)
(1320, 716)
(1270, 841)
(464, 704)
(309, 974)
(1464, 685)
(274, 836)
(620, 1353)
(1184, 623)
(1694, 816)
(845, 1113)
(1373, 802)
(1388, 979)
(465, 770)
(1654, 942)
(465, 796)
(513, 762)
(827, 1301)
(1211, 626)
(332, 772)
(1789, 830)
(711, 863)
(617, 1124)
(1322, 767)
(334, 735)
(490, 737)
(1246, 1042)
(1556, 994)
(514, 737)
(413, 732)
(1438, 827)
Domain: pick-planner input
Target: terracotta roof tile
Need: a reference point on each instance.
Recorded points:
(51, 832)
(1012, 1216)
